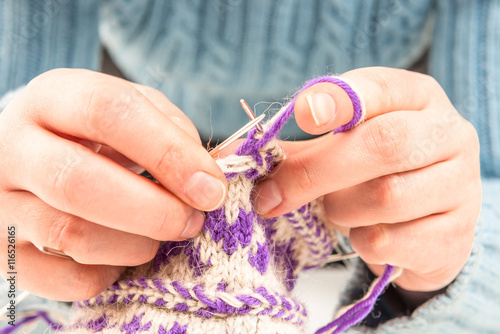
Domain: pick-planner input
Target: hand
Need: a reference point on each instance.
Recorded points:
(70, 143)
(404, 186)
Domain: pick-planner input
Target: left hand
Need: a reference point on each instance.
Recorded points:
(404, 186)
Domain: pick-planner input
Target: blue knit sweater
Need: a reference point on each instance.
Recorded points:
(206, 55)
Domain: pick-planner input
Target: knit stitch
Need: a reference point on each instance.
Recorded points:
(237, 275)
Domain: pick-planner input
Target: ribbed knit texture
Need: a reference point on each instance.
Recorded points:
(36, 36)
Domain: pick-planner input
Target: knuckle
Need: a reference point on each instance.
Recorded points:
(61, 232)
(373, 243)
(164, 161)
(106, 107)
(472, 136)
(66, 178)
(386, 140)
(153, 92)
(387, 191)
(40, 79)
(306, 182)
(383, 85)
(97, 106)
(430, 80)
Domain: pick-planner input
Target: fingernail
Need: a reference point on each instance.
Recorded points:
(322, 108)
(194, 225)
(205, 190)
(268, 198)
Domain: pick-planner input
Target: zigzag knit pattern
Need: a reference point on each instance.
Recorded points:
(237, 275)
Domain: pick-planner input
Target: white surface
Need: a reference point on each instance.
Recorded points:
(319, 290)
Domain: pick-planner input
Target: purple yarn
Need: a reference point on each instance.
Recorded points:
(135, 325)
(260, 260)
(176, 329)
(98, 324)
(251, 144)
(39, 315)
(361, 309)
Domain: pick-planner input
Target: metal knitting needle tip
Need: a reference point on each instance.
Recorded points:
(236, 135)
(341, 257)
(250, 114)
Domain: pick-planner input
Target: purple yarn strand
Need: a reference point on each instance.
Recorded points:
(251, 145)
(361, 309)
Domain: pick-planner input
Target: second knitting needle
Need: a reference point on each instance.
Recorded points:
(236, 135)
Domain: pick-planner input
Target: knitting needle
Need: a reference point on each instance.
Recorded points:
(236, 135)
(341, 257)
(250, 114)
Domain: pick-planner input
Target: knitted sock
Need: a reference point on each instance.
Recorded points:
(237, 275)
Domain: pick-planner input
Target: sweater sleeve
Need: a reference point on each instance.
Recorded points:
(464, 59)
(37, 36)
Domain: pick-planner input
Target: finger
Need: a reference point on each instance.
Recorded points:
(398, 197)
(73, 179)
(401, 245)
(58, 278)
(120, 159)
(85, 242)
(385, 145)
(112, 112)
(169, 109)
(326, 106)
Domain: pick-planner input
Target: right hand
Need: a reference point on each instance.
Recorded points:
(71, 144)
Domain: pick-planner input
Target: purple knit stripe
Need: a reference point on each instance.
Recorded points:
(359, 310)
(269, 297)
(181, 290)
(159, 285)
(249, 300)
(97, 325)
(135, 325)
(142, 281)
(112, 299)
(98, 300)
(251, 144)
(194, 259)
(160, 302)
(176, 329)
(279, 314)
(239, 233)
(260, 260)
(168, 250)
(182, 307)
(128, 299)
(198, 290)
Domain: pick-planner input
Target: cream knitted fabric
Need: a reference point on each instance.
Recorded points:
(234, 277)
